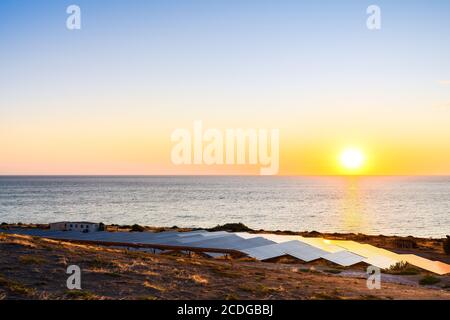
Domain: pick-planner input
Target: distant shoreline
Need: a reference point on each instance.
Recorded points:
(218, 175)
(233, 228)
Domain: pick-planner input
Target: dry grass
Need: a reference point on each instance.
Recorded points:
(80, 295)
(25, 241)
(29, 259)
(199, 279)
(150, 285)
(36, 268)
(16, 287)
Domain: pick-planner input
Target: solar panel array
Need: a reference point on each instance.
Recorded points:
(259, 246)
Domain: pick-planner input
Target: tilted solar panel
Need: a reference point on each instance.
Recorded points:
(344, 258)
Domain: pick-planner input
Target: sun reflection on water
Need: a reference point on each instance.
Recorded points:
(353, 219)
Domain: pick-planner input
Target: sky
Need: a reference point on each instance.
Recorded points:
(105, 99)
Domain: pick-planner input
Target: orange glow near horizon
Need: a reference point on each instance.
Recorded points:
(133, 147)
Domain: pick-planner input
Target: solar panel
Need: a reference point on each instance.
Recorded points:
(211, 235)
(163, 235)
(293, 248)
(265, 252)
(381, 262)
(322, 244)
(229, 241)
(188, 239)
(302, 251)
(253, 242)
(344, 258)
(190, 233)
(365, 250)
(426, 264)
(215, 233)
(443, 268)
(272, 237)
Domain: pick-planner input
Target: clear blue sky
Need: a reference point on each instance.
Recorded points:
(195, 45)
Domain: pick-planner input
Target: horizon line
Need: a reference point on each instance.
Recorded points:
(224, 175)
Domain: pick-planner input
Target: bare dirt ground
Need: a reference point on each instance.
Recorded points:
(35, 268)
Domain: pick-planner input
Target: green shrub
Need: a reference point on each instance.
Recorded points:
(332, 271)
(137, 228)
(429, 280)
(403, 268)
(232, 227)
(447, 245)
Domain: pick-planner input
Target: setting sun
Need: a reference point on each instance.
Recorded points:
(352, 159)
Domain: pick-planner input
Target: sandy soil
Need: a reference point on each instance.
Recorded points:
(35, 268)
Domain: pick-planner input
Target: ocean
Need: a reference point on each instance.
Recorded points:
(418, 206)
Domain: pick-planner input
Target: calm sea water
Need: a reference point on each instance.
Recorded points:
(417, 206)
